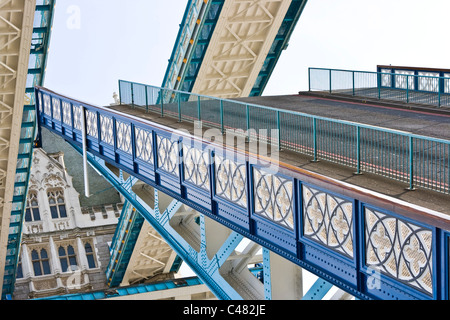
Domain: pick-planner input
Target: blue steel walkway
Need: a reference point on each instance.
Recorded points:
(348, 229)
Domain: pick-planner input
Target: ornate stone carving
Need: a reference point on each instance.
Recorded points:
(231, 180)
(399, 249)
(144, 144)
(273, 197)
(328, 220)
(168, 155)
(123, 133)
(196, 167)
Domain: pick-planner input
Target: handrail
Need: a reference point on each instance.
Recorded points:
(410, 85)
(410, 158)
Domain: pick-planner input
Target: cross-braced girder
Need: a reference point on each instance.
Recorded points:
(245, 33)
(16, 27)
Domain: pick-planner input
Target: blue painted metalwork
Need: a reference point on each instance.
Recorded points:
(318, 290)
(192, 41)
(207, 269)
(131, 290)
(415, 160)
(36, 72)
(366, 244)
(405, 84)
(123, 242)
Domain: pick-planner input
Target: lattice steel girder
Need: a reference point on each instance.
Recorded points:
(16, 20)
(245, 29)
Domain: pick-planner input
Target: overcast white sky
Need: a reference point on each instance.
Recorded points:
(96, 42)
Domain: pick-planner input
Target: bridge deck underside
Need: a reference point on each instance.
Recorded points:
(427, 124)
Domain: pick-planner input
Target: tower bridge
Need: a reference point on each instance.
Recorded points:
(346, 181)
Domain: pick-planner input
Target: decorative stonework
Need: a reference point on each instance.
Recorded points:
(56, 109)
(399, 249)
(328, 220)
(196, 167)
(77, 117)
(123, 133)
(231, 180)
(67, 114)
(273, 198)
(144, 144)
(106, 130)
(47, 107)
(168, 155)
(91, 123)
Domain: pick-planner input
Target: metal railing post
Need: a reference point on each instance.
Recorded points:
(84, 137)
(358, 150)
(411, 163)
(407, 88)
(179, 107)
(221, 117)
(330, 80)
(315, 138)
(132, 95)
(309, 79)
(162, 103)
(199, 109)
(247, 115)
(279, 130)
(120, 92)
(146, 99)
(353, 82)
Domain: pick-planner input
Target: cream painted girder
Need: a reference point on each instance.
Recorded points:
(239, 46)
(152, 256)
(16, 29)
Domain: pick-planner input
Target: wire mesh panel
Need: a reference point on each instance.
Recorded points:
(170, 103)
(263, 125)
(385, 153)
(139, 95)
(365, 84)
(210, 111)
(342, 81)
(319, 79)
(188, 106)
(336, 142)
(154, 97)
(431, 164)
(125, 92)
(410, 86)
(234, 115)
(297, 133)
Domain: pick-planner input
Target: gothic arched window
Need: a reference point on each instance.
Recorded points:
(57, 203)
(19, 273)
(90, 255)
(40, 261)
(32, 210)
(67, 258)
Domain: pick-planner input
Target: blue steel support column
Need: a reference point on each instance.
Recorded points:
(319, 289)
(266, 275)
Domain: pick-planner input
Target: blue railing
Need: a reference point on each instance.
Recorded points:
(423, 86)
(370, 245)
(416, 160)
